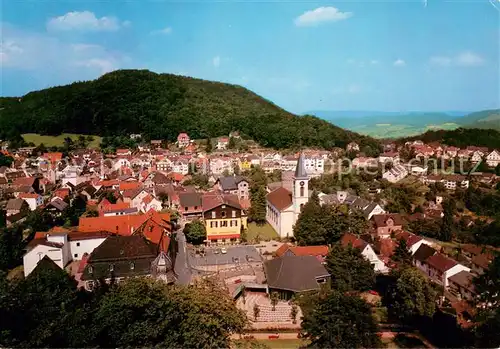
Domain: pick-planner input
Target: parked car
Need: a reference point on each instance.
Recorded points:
(216, 251)
(223, 250)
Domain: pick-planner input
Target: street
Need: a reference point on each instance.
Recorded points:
(182, 267)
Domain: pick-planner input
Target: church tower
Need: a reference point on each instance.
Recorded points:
(300, 194)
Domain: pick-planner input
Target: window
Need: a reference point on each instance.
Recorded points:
(223, 223)
(233, 213)
(77, 244)
(132, 266)
(235, 223)
(213, 214)
(111, 267)
(223, 214)
(196, 207)
(230, 223)
(75, 255)
(185, 208)
(211, 224)
(90, 269)
(216, 224)
(301, 191)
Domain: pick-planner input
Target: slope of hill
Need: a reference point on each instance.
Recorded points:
(160, 106)
(481, 119)
(461, 137)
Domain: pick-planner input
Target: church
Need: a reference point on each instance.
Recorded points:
(283, 206)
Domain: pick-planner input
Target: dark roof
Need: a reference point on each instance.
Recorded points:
(463, 279)
(190, 199)
(58, 204)
(44, 264)
(294, 273)
(381, 219)
(300, 170)
(121, 256)
(211, 201)
(423, 252)
(230, 182)
(15, 204)
(280, 198)
(440, 262)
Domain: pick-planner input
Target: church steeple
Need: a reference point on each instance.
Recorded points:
(300, 170)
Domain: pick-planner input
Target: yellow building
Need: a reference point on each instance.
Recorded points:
(245, 164)
(224, 218)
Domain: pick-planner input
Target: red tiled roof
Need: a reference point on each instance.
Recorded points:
(62, 193)
(350, 239)
(129, 185)
(382, 219)
(29, 181)
(178, 177)
(115, 207)
(303, 250)
(28, 196)
(440, 262)
(53, 157)
(280, 198)
(411, 239)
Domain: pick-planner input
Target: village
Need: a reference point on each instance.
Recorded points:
(134, 211)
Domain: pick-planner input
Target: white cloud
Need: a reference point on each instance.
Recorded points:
(216, 61)
(47, 56)
(464, 59)
(84, 21)
(320, 15)
(374, 62)
(469, 59)
(399, 63)
(164, 31)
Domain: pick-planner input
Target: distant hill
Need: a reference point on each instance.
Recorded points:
(159, 106)
(461, 137)
(481, 119)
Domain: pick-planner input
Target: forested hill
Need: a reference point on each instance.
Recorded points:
(159, 106)
(461, 137)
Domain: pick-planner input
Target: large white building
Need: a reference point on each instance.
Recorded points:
(284, 206)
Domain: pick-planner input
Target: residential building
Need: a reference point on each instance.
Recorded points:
(34, 200)
(364, 162)
(293, 275)
(366, 250)
(283, 207)
(224, 218)
(353, 146)
(392, 156)
(461, 285)
(222, 143)
(386, 224)
(183, 140)
(191, 206)
(413, 242)
(354, 202)
(320, 252)
(493, 158)
(396, 173)
(236, 185)
(439, 268)
(16, 206)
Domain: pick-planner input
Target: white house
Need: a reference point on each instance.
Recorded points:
(315, 165)
(222, 143)
(476, 156)
(32, 199)
(493, 158)
(366, 250)
(396, 173)
(283, 207)
(61, 248)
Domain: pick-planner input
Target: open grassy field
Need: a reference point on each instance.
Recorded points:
(263, 232)
(272, 343)
(57, 141)
(399, 130)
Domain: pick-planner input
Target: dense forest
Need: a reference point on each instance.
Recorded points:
(159, 106)
(461, 137)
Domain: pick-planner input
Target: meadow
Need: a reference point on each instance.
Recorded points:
(57, 141)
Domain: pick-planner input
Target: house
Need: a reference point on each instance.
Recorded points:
(122, 257)
(450, 182)
(283, 206)
(183, 140)
(222, 143)
(224, 218)
(439, 268)
(320, 252)
(353, 146)
(395, 174)
(236, 185)
(32, 199)
(292, 275)
(61, 247)
(156, 143)
(386, 224)
(421, 255)
(191, 206)
(476, 157)
(364, 162)
(354, 202)
(366, 250)
(56, 206)
(493, 158)
(149, 203)
(461, 285)
(123, 152)
(16, 206)
(392, 156)
(413, 242)
(31, 183)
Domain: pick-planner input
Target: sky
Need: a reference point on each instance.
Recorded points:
(423, 55)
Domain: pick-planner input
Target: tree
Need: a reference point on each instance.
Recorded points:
(448, 222)
(350, 271)
(256, 311)
(5, 160)
(195, 232)
(208, 145)
(293, 313)
(257, 211)
(487, 333)
(232, 143)
(402, 254)
(340, 321)
(487, 285)
(411, 297)
(11, 247)
(309, 228)
(274, 300)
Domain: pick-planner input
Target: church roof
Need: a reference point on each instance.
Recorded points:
(300, 170)
(280, 198)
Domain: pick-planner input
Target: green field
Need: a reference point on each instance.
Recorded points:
(263, 232)
(271, 343)
(57, 141)
(399, 130)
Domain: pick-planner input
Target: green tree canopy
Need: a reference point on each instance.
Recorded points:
(349, 270)
(195, 232)
(341, 321)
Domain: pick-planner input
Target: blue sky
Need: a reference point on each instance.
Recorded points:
(302, 55)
